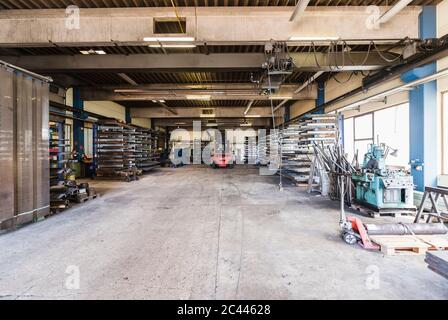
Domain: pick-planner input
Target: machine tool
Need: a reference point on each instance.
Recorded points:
(380, 189)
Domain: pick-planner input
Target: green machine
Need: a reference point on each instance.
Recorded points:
(381, 189)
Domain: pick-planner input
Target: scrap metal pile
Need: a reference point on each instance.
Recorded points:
(438, 262)
(333, 170)
(68, 191)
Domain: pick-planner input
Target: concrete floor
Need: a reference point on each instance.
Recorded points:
(199, 233)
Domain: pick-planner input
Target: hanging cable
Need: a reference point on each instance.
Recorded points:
(177, 16)
(277, 136)
(342, 82)
(386, 59)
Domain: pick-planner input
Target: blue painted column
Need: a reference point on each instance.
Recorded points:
(320, 95)
(423, 112)
(128, 115)
(78, 125)
(287, 114)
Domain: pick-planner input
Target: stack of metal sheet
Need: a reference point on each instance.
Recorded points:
(438, 262)
(24, 174)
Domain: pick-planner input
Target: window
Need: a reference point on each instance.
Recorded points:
(389, 126)
(349, 138)
(68, 136)
(363, 134)
(392, 128)
(445, 132)
(88, 142)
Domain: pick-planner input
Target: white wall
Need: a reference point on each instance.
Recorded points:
(106, 108)
(142, 122)
(442, 84)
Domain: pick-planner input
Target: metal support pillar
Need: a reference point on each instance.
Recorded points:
(287, 114)
(78, 123)
(423, 112)
(320, 96)
(128, 115)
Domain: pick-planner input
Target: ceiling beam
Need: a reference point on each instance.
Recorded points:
(214, 25)
(222, 122)
(312, 62)
(163, 105)
(98, 94)
(140, 62)
(220, 112)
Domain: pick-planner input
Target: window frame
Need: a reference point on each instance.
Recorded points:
(372, 113)
(68, 135)
(372, 117)
(444, 129)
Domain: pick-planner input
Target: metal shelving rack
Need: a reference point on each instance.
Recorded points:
(115, 150)
(298, 140)
(59, 152)
(147, 155)
(123, 150)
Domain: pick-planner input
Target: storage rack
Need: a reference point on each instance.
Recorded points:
(264, 149)
(115, 150)
(297, 144)
(59, 151)
(147, 155)
(62, 184)
(250, 150)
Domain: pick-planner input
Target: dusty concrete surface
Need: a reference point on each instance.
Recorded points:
(193, 233)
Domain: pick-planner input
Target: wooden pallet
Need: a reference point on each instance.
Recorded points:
(81, 200)
(395, 245)
(436, 242)
(375, 214)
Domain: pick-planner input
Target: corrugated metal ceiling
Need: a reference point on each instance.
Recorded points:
(52, 4)
(199, 104)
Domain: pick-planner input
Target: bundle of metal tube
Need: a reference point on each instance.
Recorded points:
(406, 229)
(336, 165)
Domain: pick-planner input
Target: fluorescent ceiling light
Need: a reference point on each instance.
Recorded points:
(252, 116)
(198, 97)
(246, 125)
(172, 39)
(280, 98)
(299, 38)
(212, 124)
(129, 91)
(91, 51)
(162, 101)
(155, 101)
(207, 116)
(172, 46)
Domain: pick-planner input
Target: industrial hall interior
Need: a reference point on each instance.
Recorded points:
(224, 149)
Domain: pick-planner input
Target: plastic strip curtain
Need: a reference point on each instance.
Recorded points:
(6, 145)
(24, 174)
